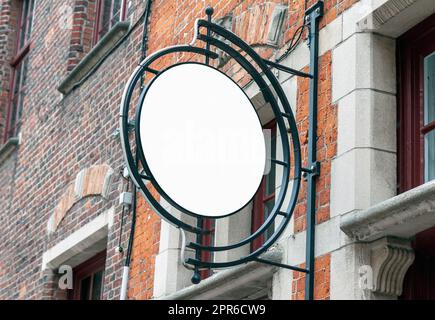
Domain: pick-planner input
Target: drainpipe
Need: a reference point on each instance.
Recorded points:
(124, 285)
(126, 268)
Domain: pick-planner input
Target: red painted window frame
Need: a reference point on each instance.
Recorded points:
(207, 240)
(412, 47)
(258, 208)
(21, 51)
(88, 268)
(99, 18)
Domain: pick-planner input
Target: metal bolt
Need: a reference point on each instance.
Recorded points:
(209, 10)
(116, 134)
(125, 173)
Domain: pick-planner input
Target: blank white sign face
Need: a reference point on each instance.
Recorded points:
(202, 140)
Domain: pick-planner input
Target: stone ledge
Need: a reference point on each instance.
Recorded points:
(394, 17)
(402, 216)
(7, 149)
(104, 46)
(237, 283)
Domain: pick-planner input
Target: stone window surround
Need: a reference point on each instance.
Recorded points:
(402, 216)
(98, 53)
(91, 181)
(80, 245)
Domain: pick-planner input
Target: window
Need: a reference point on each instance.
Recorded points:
(109, 12)
(416, 129)
(88, 279)
(207, 240)
(416, 143)
(264, 200)
(19, 71)
(428, 129)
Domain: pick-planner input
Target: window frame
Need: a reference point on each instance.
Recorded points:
(260, 199)
(21, 53)
(88, 268)
(412, 48)
(207, 240)
(99, 18)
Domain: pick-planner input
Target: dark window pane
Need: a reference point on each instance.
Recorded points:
(116, 12)
(85, 288)
(13, 119)
(268, 207)
(105, 17)
(270, 178)
(110, 15)
(23, 23)
(429, 89)
(18, 97)
(29, 21)
(429, 115)
(97, 285)
(26, 23)
(24, 68)
(17, 80)
(429, 142)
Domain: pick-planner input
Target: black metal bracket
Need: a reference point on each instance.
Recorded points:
(259, 69)
(313, 170)
(312, 17)
(196, 278)
(287, 69)
(131, 125)
(280, 265)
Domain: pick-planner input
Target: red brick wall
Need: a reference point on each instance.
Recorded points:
(326, 150)
(322, 275)
(326, 143)
(145, 249)
(60, 137)
(83, 24)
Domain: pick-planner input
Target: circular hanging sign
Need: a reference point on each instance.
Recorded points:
(202, 140)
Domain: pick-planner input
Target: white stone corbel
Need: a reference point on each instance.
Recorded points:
(390, 260)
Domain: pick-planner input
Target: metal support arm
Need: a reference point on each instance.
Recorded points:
(312, 17)
(280, 265)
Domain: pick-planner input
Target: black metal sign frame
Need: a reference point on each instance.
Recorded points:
(260, 70)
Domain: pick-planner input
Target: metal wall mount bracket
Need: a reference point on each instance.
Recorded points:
(218, 38)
